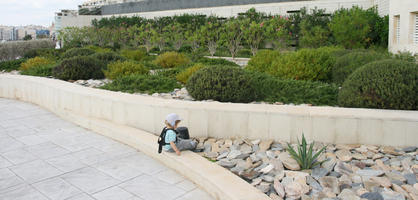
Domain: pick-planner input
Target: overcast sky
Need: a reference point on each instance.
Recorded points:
(37, 12)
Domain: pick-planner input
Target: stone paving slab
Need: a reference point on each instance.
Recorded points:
(44, 157)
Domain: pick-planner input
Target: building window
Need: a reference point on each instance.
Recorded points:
(397, 24)
(416, 29)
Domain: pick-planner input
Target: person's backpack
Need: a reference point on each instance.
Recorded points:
(161, 139)
(183, 133)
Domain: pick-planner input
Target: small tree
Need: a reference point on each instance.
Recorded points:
(276, 31)
(211, 34)
(314, 30)
(350, 27)
(146, 33)
(253, 33)
(194, 38)
(177, 35)
(231, 36)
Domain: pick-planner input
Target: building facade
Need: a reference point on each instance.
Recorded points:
(403, 26)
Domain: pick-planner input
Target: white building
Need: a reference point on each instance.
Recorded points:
(403, 26)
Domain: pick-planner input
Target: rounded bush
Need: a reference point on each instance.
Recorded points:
(137, 55)
(347, 64)
(143, 83)
(79, 68)
(385, 84)
(77, 52)
(305, 64)
(171, 59)
(184, 76)
(221, 83)
(262, 61)
(35, 62)
(124, 68)
(107, 57)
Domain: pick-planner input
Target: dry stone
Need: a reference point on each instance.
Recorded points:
(265, 145)
(278, 187)
(294, 190)
(331, 183)
(344, 155)
(288, 161)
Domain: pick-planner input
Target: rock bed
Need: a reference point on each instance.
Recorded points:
(352, 171)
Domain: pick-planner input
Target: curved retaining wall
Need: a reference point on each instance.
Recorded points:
(212, 119)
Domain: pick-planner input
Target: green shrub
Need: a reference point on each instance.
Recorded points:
(221, 83)
(79, 68)
(347, 64)
(11, 64)
(98, 49)
(35, 62)
(42, 70)
(77, 52)
(137, 55)
(215, 61)
(44, 52)
(170, 73)
(305, 64)
(184, 76)
(273, 89)
(107, 57)
(406, 56)
(262, 61)
(143, 83)
(123, 68)
(385, 84)
(171, 59)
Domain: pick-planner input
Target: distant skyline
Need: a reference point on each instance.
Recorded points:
(33, 12)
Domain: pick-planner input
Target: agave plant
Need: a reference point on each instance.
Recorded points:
(305, 157)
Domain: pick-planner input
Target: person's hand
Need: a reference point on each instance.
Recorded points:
(178, 152)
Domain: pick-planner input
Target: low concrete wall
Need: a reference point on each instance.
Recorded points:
(212, 119)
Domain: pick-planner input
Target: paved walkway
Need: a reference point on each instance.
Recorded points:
(44, 157)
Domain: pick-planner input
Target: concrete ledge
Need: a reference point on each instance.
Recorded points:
(217, 181)
(220, 120)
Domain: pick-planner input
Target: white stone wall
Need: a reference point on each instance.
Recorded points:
(406, 10)
(273, 8)
(229, 11)
(220, 120)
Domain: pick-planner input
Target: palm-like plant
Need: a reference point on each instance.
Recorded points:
(305, 156)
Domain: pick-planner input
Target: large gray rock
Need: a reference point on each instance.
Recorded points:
(319, 172)
(234, 154)
(313, 183)
(372, 196)
(245, 148)
(369, 172)
(411, 179)
(226, 163)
